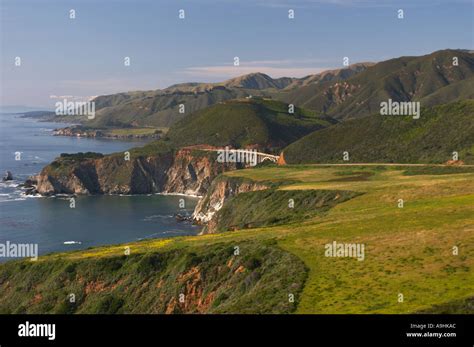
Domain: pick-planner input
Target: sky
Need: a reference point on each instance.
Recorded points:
(84, 56)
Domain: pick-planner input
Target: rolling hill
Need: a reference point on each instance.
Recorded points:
(431, 79)
(160, 108)
(350, 92)
(329, 76)
(440, 131)
(165, 166)
(258, 122)
(407, 250)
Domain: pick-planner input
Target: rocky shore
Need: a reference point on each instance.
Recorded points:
(80, 131)
(186, 171)
(180, 172)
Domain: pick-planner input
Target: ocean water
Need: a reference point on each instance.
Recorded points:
(95, 220)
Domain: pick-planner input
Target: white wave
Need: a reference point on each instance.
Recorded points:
(10, 184)
(148, 236)
(156, 216)
(177, 232)
(31, 196)
(17, 199)
(181, 194)
(72, 242)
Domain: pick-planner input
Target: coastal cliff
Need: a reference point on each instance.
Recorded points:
(199, 279)
(192, 172)
(184, 171)
(222, 189)
(237, 203)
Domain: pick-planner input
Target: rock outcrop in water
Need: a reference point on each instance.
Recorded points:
(8, 176)
(185, 171)
(188, 171)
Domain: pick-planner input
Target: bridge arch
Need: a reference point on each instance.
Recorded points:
(272, 159)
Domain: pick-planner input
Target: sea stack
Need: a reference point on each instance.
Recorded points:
(8, 176)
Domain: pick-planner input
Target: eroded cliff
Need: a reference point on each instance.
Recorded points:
(197, 279)
(222, 189)
(185, 171)
(236, 203)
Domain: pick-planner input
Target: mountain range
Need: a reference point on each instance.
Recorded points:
(292, 211)
(351, 92)
(430, 79)
(340, 113)
(161, 107)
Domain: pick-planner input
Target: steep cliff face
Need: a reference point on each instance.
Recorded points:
(194, 279)
(57, 179)
(222, 188)
(192, 172)
(183, 172)
(107, 175)
(236, 203)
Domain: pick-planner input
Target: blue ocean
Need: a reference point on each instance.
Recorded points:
(95, 220)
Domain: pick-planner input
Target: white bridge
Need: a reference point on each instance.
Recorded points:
(265, 156)
(261, 157)
(243, 155)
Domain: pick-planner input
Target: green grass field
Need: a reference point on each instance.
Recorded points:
(408, 250)
(135, 131)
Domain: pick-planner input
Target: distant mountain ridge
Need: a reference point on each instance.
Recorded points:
(161, 107)
(351, 92)
(430, 79)
(329, 75)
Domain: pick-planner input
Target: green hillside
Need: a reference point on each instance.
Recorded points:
(350, 92)
(210, 279)
(160, 108)
(245, 122)
(430, 78)
(270, 207)
(452, 92)
(407, 251)
(440, 131)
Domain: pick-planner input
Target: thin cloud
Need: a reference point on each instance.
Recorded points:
(234, 71)
(73, 97)
(273, 68)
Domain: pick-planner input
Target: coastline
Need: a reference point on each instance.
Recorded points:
(51, 222)
(180, 194)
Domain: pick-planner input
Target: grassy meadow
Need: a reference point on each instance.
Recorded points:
(136, 131)
(408, 250)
